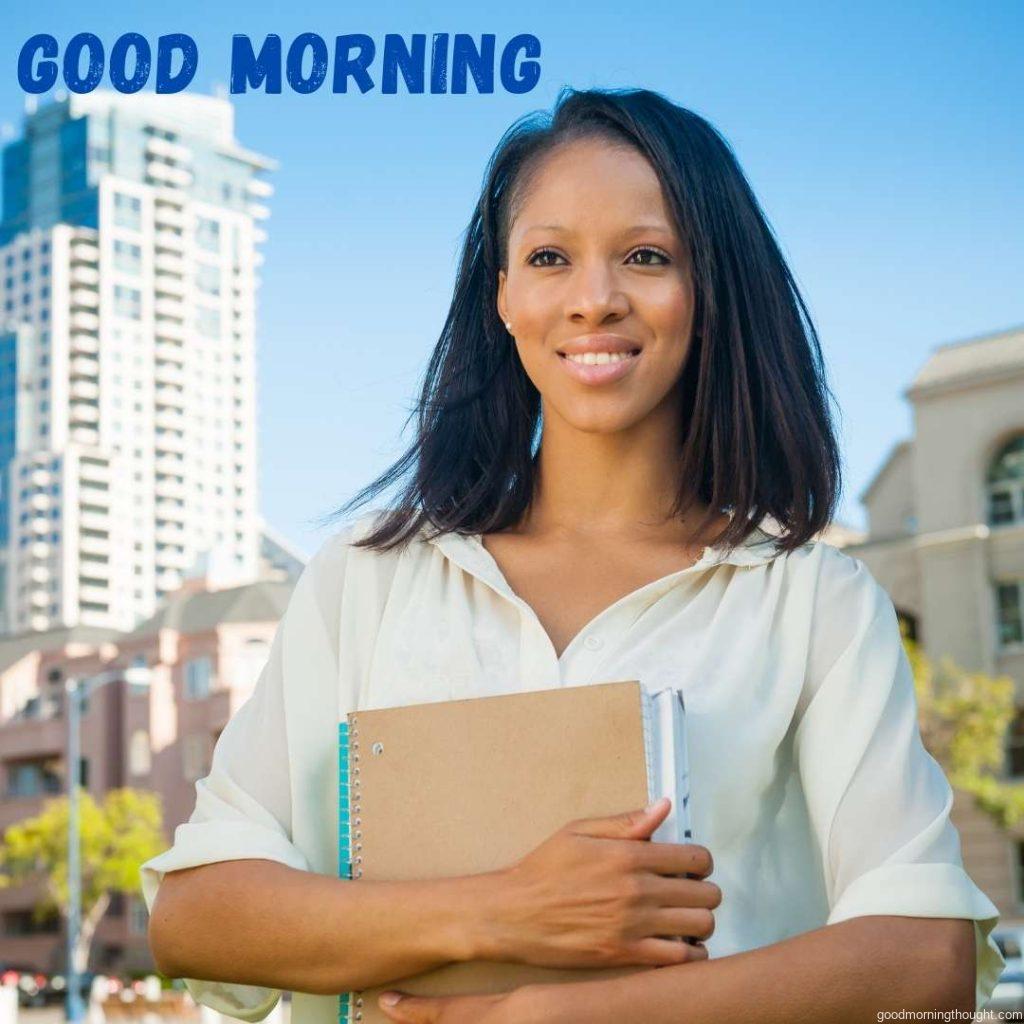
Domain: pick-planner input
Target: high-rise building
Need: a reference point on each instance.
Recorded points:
(128, 250)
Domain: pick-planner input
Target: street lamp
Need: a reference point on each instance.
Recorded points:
(76, 689)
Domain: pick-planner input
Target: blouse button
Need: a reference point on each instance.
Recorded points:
(593, 643)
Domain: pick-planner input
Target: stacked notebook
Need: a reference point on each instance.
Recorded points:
(466, 786)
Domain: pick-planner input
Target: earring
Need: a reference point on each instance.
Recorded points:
(508, 326)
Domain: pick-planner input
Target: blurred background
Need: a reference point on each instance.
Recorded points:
(215, 311)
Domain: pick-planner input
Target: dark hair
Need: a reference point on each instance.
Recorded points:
(757, 438)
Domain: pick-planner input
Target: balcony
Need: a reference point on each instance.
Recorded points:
(94, 521)
(82, 320)
(80, 412)
(168, 263)
(88, 469)
(40, 477)
(84, 298)
(32, 736)
(165, 373)
(169, 150)
(161, 173)
(89, 436)
(168, 197)
(40, 574)
(257, 211)
(94, 595)
(85, 343)
(170, 216)
(94, 545)
(260, 188)
(169, 352)
(83, 275)
(166, 535)
(84, 252)
(40, 501)
(165, 487)
(169, 466)
(165, 442)
(40, 525)
(169, 420)
(85, 389)
(170, 308)
(39, 549)
(171, 240)
(170, 329)
(168, 284)
(81, 366)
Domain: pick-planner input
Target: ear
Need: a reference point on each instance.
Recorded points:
(502, 278)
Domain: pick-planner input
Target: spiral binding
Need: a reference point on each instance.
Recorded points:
(350, 1004)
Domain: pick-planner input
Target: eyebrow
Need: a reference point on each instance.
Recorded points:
(636, 229)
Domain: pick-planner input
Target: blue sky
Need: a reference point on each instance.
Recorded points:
(885, 143)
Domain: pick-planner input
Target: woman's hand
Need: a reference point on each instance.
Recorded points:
(598, 894)
(471, 1009)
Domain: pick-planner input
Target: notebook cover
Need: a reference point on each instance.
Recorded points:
(460, 787)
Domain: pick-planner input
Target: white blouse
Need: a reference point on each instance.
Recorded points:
(809, 781)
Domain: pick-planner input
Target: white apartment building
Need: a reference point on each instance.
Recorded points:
(128, 250)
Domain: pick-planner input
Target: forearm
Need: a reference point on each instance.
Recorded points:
(845, 973)
(306, 932)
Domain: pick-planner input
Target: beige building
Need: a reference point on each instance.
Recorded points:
(946, 540)
(206, 649)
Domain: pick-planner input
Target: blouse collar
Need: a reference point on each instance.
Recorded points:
(468, 552)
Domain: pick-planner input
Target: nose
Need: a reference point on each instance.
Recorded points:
(595, 295)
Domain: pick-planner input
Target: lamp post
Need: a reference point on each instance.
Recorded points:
(76, 689)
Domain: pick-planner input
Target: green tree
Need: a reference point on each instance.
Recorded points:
(117, 837)
(965, 718)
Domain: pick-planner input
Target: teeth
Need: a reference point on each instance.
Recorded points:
(597, 358)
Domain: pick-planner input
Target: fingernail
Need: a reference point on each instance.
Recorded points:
(389, 998)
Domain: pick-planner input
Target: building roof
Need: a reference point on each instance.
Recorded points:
(895, 452)
(199, 611)
(970, 361)
(19, 645)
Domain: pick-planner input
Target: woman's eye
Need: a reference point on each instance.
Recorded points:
(541, 252)
(652, 252)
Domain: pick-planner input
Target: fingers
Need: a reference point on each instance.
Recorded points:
(665, 952)
(674, 858)
(681, 892)
(408, 1009)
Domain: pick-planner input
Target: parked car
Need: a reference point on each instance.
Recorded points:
(57, 987)
(30, 982)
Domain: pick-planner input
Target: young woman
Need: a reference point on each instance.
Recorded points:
(624, 456)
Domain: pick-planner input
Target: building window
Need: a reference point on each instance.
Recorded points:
(208, 234)
(139, 753)
(195, 756)
(1005, 484)
(1009, 602)
(1015, 746)
(208, 321)
(32, 778)
(127, 211)
(138, 916)
(127, 257)
(128, 302)
(198, 672)
(208, 278)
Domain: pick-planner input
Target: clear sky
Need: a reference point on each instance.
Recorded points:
(884, 141)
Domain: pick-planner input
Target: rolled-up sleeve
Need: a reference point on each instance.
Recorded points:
(243, 806)
(878, 801)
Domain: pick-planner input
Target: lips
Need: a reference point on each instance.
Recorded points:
(605, 372)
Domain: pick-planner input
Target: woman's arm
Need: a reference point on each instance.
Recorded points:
(844, 973)
(259, 922)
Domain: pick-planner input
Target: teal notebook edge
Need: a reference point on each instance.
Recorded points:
(345, 999)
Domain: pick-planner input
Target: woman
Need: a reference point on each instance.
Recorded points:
(627, 387)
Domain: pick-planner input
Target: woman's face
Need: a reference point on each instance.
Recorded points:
(595, 264)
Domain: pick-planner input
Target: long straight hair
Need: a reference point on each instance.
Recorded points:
(757, 437)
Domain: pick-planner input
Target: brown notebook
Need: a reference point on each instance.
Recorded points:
(460, 787)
